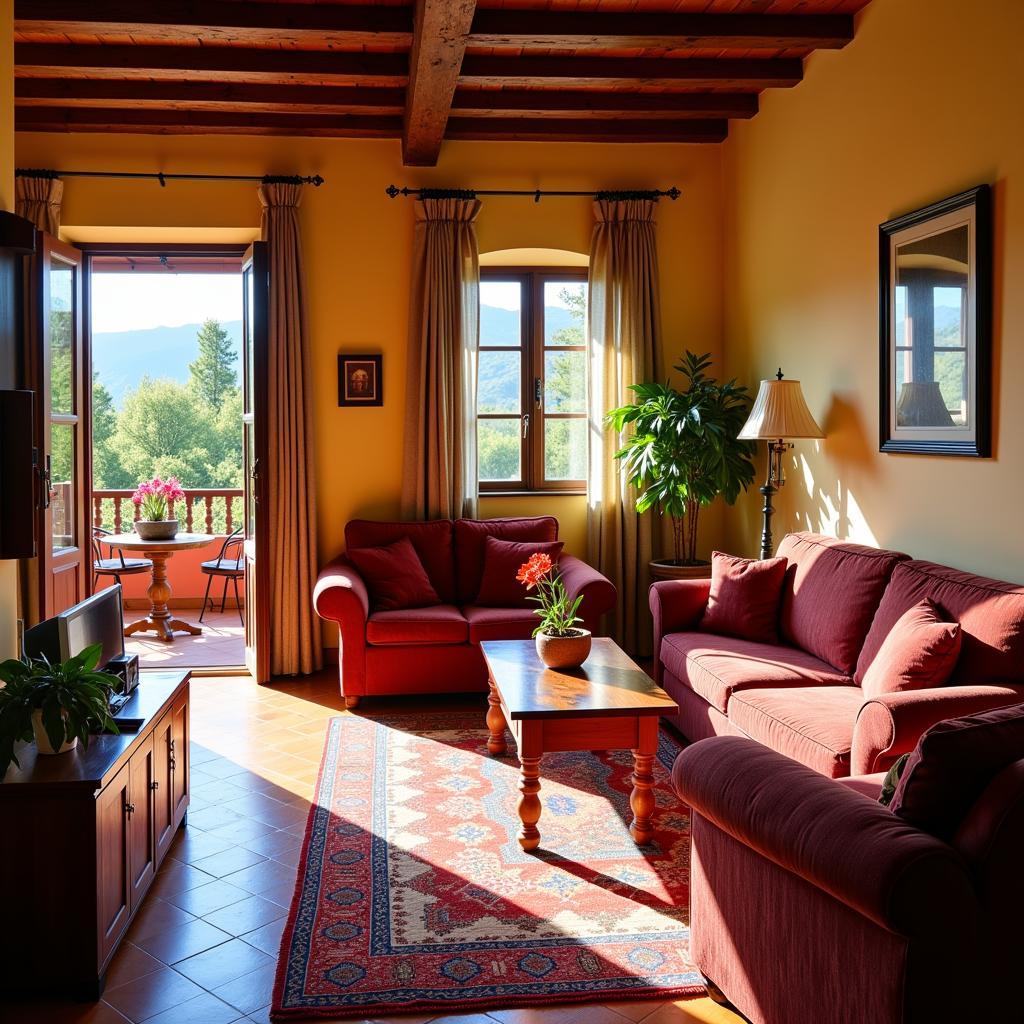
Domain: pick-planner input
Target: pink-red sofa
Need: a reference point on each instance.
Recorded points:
(436, 649)
(811, 903)
(801, 696)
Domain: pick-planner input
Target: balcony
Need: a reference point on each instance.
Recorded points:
(215, 511)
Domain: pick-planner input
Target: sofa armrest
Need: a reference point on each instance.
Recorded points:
(675, 605)
(341, 596)
(840, 841)
(890, 724)
(598, 591)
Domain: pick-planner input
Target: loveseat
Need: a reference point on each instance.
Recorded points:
(434, 648)
(810, 901)
(802, 695)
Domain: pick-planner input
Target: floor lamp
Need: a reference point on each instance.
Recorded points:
(779, 412)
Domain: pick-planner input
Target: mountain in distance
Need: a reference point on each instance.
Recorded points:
(122, 358)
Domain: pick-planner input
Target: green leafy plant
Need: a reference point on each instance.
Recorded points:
(682, 451)
(72, 697)
(557, 611)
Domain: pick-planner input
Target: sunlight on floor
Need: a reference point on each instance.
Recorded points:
(221, 644)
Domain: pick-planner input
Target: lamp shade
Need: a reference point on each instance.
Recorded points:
(779, 411)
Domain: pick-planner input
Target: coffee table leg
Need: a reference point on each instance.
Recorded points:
(495, 722)
(641, 800)
(529, 786)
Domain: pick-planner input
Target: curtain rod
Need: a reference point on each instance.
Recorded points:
(266, 179)
(536, 194)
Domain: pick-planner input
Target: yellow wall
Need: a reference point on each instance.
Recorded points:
(924, 103)
(358, 246)
(9, 569)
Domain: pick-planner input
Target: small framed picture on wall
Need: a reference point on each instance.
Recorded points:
(360, 380)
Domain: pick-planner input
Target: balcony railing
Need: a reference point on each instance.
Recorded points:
(206, 510)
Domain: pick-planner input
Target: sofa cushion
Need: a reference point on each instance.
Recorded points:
(831, 595)
(744, 598)
(470, 536)
(919, 653)
(867, 785)
(952, 764)
(499, 587)
(394, 576)
(990, 613)
(432, 541)
(500, 623)
(716, 666)
(440, 624)
(813, 725)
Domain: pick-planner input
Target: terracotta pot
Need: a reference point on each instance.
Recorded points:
(43, 741)
(563, 651)
(671, 571)
(162, 529)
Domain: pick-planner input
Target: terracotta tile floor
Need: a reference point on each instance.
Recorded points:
(221, 644)
(202, 950)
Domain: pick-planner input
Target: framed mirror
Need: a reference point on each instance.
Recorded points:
(935, 325)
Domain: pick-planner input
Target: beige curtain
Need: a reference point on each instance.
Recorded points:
(624, 333)
(440, 472)
(294, 634)
(38, 199)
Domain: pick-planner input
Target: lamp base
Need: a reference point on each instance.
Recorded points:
(768, 490)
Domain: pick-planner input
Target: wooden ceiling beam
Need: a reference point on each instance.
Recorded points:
(202, 122)
(583, 130)
(555, 103)
(599, 30)
(440, 31)
(227, 63)
(215, 21)
(110, 92)
(584, 72)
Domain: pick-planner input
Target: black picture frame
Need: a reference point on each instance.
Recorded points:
(357, 390)
(974, 438)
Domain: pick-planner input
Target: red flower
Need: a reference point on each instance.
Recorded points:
(533, 571)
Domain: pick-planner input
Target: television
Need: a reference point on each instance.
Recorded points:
(96, 620)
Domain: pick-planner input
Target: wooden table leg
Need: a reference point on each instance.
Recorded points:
(495, 722)
(529, 808)
(159, 619)
(641, 800)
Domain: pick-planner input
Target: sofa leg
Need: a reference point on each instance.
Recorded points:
(715, 994)
(351, 702)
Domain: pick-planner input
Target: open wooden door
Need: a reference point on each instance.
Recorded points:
(255, 365)
(57, 370)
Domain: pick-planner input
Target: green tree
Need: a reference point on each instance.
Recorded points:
(107, 470)
(212, 375)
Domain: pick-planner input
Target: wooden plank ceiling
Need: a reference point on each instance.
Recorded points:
(568, 70)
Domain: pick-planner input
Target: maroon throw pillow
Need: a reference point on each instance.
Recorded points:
(394, 576)
(920, 652)
(745, 597)
(499, 587)
(952, 765)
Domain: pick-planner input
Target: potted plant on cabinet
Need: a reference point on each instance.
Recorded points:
(560, 642)
(683, 452)
(153, 500)
(59, 704)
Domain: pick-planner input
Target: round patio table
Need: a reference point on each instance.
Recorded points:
(160, 619)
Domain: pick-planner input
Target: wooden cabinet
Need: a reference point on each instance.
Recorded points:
(84, 834)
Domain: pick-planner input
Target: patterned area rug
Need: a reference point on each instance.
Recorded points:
(413, 893)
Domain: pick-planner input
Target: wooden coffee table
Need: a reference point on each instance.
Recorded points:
(608, 704)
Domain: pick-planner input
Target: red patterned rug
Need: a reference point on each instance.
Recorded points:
(413, 893)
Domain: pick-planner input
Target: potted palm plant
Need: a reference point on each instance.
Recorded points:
(59, 704)
(682, 452)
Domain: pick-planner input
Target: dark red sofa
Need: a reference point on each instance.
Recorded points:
(801, 697)
(436, 649)
(811, 903)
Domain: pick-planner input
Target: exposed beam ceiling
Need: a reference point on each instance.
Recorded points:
(421, 70)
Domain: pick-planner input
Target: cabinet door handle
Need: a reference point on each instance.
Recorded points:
(154, 786)
(130, 808)
(174, 764)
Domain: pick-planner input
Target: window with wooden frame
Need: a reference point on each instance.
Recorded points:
(532, 380)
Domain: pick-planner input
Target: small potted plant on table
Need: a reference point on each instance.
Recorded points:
(153, 500)
(683, 453)
(560, 642)
(58, 704)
